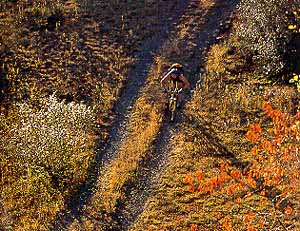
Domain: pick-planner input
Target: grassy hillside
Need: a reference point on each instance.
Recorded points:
(52, 48)
(80, 55)
(232, 163)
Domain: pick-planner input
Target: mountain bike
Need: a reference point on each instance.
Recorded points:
(173, 100)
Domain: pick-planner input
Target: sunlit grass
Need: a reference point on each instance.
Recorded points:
(45, 153)
(229, 100)
(46, 150)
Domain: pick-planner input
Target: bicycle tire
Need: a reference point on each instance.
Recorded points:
(172, 109)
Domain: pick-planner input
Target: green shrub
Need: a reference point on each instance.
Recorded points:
(263, 31)
(45, 154)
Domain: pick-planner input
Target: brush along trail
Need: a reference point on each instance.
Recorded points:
(129, 166)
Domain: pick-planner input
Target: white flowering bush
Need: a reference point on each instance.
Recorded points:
(44, 153)
(263, 30)
(54, 137)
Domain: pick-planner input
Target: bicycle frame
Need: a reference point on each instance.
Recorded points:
(173, 98)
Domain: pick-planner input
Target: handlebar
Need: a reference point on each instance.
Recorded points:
(167, 91)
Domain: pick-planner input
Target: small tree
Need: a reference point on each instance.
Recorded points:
(270, 181)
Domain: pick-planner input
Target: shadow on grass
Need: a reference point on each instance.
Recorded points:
(137, 192)
(136, 80)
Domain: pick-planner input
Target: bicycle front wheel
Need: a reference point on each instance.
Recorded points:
(172, 109)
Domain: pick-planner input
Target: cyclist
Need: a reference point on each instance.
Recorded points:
(176, 74)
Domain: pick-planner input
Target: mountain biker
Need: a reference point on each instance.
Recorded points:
(176, 74)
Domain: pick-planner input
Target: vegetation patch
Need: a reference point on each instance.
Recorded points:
(238, 123)
(233, 163)
(144, 124)
(45, 154)
(263, 33)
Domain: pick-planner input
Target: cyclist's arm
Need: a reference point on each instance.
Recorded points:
(165, 77)
(186, 84)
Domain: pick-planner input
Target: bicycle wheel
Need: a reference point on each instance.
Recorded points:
(172, 109)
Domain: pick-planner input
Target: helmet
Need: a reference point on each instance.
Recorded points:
(176, 65)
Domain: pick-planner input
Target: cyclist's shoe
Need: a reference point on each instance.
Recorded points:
(178, 105)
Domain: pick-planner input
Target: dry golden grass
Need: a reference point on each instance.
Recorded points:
(144, 125)
(172, 206)
(88, 61)
(206, 4)
(219, 117)
(225, 59)
(145, 122)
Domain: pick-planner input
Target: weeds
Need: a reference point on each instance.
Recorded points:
(45, 154)
(213, 138)
(144, 125)
(47, 146)
(81, 60)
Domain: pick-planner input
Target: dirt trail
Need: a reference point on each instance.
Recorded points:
(135, 81)
(203, 35)
(201, 28)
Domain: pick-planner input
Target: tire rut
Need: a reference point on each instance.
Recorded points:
(135, 81)
(137, 193)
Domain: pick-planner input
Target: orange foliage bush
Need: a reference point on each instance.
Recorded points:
(272, 174)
